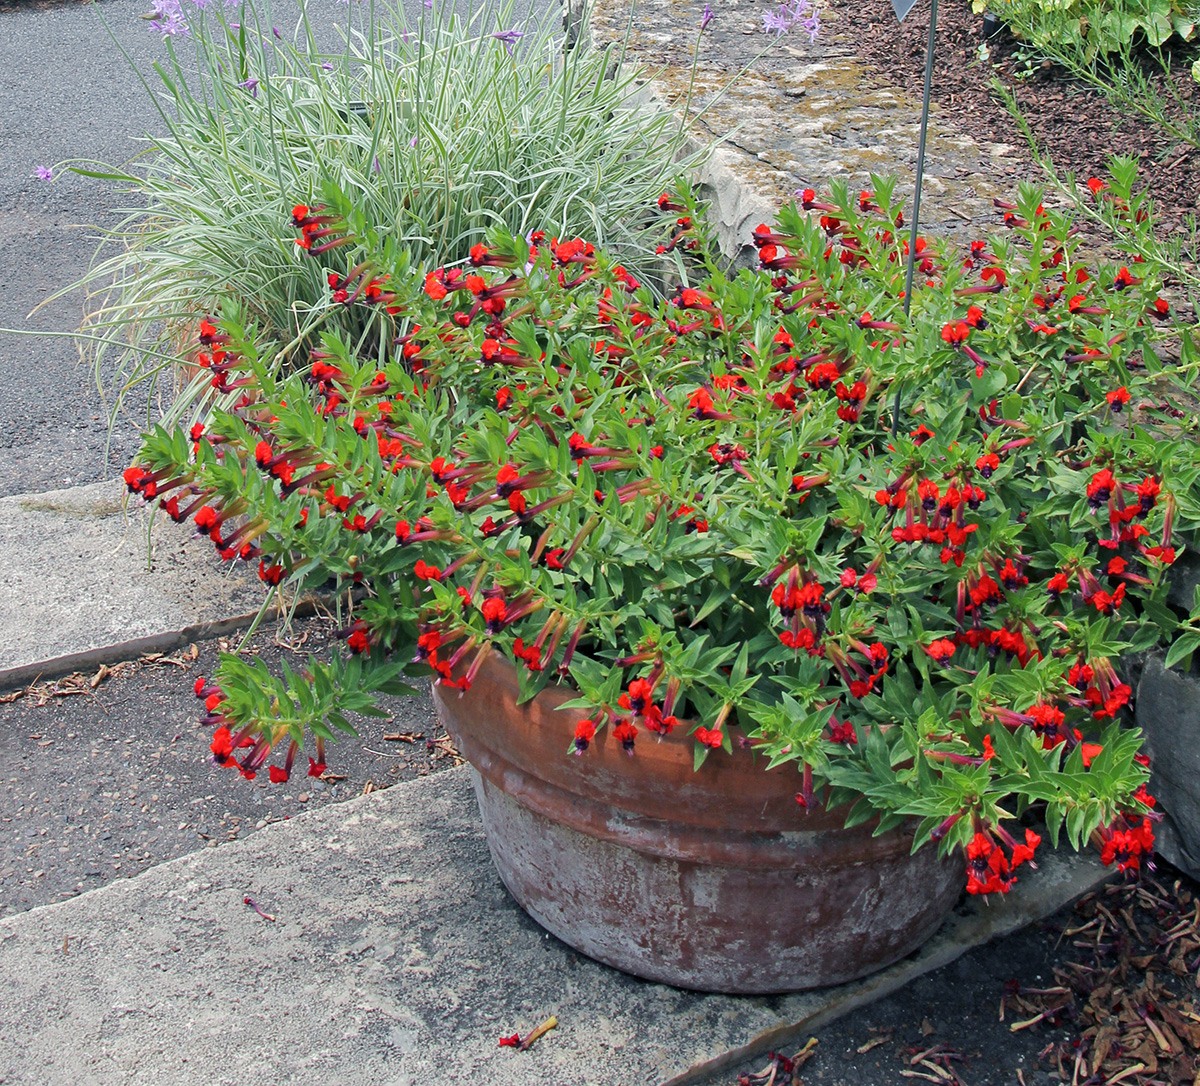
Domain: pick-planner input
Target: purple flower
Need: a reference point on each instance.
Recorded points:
(377, 168)
(508, 39)
(167, 19)
(326, 67)
(707, 17)
(251, 85)
(789, 14)
(44, 173)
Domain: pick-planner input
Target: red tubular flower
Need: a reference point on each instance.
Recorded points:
(986, 867)
(493, 610)
(625, 733)
(1048, 722)
(955, 332)
(1100, 488)
(222, 746)
(1126, 847)
(637, 700)
(435, 287)
(711, 738)
(272, 575)
(1024, 853)
(703, 407)
(822, 375)
(1117, 399)
(585, 732)
(1124, 279)
(842, 733)
(1108, 604)
(136, 479)
(941, 650)
(1148, 491)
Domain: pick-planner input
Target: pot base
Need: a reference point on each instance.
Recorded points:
(707, 927)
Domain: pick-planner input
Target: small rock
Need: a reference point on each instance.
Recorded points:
(302, 797)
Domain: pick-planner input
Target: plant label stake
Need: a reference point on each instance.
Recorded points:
(902, 8)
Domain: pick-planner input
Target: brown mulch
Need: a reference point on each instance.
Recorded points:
(1117, 1004)
(1073, 123)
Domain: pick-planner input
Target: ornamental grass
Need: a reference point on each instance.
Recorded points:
(438, 129)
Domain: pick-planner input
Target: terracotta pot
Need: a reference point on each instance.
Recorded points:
(715, 880)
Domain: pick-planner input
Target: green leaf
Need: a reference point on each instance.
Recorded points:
(1182, 649)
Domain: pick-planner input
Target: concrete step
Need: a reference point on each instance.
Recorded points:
(395, 957)
(76, 589)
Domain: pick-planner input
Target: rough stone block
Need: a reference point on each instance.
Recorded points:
(1184, 579)
(1168, 712)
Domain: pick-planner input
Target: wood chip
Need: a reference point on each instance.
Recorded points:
(1101, 1048)
(1137, 1068)
(875, 1042)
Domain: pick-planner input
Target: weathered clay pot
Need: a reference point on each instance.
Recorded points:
(715, 880)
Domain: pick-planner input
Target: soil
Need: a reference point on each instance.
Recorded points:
(1073, 123)
(102, 782)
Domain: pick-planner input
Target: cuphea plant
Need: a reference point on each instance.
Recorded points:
(707, 515)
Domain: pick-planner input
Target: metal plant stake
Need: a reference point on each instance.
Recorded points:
(902, 8)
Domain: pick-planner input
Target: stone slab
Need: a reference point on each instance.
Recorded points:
(396, 957)
(74, 576)
(1168, 712)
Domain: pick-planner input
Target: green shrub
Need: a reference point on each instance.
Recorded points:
(1095, 28)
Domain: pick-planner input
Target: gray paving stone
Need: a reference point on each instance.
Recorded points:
(395, 958)
(74, 576)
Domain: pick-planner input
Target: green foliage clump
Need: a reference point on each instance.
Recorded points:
(1095, 27)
